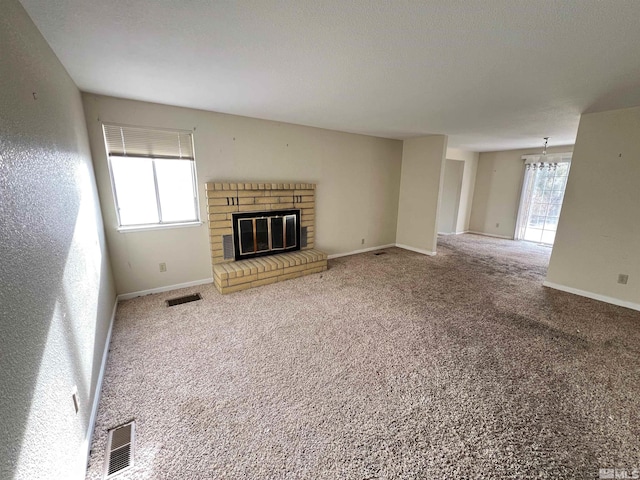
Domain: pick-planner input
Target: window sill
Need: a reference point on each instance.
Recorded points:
(146, 228)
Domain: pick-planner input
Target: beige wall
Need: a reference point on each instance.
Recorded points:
(599, 230)
(421, 183)
(450, 196)
(356, 170)
(470, 160)
(497, 189)
(57, 292)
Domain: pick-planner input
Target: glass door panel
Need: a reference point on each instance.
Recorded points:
(545, 201)
(277, 233)
(290, 232)
(246, 236)
(262, 234)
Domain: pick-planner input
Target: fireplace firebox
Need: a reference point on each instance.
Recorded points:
(256, 234)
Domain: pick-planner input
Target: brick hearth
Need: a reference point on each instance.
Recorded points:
(225, 199)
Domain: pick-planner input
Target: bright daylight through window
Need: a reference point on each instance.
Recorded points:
(153, 176)
(543, 188)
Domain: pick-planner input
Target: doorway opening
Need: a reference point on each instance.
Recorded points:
(449, 210)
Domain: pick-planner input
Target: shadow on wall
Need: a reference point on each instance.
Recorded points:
(50, 333)
(56, 279)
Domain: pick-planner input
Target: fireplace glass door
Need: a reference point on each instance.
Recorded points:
(261, 234)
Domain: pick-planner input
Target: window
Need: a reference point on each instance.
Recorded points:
(153, 176)
(545, 180)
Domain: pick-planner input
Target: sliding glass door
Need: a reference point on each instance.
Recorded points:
(542, 195)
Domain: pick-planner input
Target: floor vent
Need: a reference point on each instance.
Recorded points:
(186, 299)
(120, 449)
(380, 253)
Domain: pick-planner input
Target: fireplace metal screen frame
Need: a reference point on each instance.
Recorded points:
(262, 215)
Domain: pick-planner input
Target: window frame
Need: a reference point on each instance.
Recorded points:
(197, 221)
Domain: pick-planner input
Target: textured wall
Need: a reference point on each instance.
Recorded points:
(56, 290)
(357, 177)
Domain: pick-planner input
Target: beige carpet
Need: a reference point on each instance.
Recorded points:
(394, 366)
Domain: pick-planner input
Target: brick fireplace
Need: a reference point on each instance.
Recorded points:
(261, 210)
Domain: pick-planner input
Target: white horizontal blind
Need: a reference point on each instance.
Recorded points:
(142, 142)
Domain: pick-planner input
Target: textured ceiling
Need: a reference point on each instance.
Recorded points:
(491, 74)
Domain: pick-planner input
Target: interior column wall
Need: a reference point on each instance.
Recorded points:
(470, 160)
(421, 183)
(599, 229)
(451, 192)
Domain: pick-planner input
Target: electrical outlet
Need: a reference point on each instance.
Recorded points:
(623, 279)
(363, 241)
(163, 267)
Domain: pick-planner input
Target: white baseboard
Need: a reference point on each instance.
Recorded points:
(399, 245)
(594, 296)
(417, 250)
(355, 252)
(490, 235)
(86, 446)
(127, 296)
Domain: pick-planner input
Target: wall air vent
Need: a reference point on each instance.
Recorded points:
(120, 450)
(186, 299)
(227, 247)
(303, 237)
